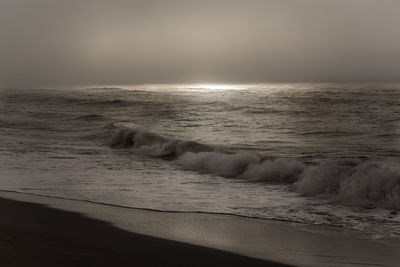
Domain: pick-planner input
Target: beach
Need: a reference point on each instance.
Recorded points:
(240, 150)
(144, 176)
(34, 235)
(47, 231)
(199, 133)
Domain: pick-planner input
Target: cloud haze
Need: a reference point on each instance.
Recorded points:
(47, 42)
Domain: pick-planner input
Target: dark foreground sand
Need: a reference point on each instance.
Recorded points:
(31, 234)
(35, 235)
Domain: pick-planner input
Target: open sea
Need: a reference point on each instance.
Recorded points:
(324, 154)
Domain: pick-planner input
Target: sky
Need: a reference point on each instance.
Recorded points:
(82, 42)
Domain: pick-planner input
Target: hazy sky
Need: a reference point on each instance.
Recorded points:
(72, 42)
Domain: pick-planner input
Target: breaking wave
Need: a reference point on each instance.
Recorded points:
(150, 144)
(348, 182)
(368, 184)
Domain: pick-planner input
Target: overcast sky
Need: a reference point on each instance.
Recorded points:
(73, 42)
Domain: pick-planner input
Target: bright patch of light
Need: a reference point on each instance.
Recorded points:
(213, 86)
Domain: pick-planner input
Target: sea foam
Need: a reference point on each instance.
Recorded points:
(365, 184)
(368, 184)
(230, 165)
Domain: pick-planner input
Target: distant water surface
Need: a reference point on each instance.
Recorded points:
(307, 153)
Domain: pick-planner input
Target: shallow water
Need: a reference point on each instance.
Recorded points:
(308, 153)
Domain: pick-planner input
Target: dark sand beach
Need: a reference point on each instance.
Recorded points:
(35, 235)
(49, 231)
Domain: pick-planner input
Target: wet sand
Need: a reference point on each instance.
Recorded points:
(35, 235)
(107, 235)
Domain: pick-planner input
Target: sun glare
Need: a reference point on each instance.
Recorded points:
(213, 86)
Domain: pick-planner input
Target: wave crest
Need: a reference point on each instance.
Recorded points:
(151, 144)
(277, 171)
(368, 184)
(229, 165)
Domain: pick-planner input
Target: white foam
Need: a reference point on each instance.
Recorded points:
(370, 184)
(230, 165)
(324, 178)
(279, 170)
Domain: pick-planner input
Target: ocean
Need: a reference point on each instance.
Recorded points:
(321, 154)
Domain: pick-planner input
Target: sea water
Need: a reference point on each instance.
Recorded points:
(305, 153)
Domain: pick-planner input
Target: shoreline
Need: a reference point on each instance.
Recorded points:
(35, 235)
(251, 237)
